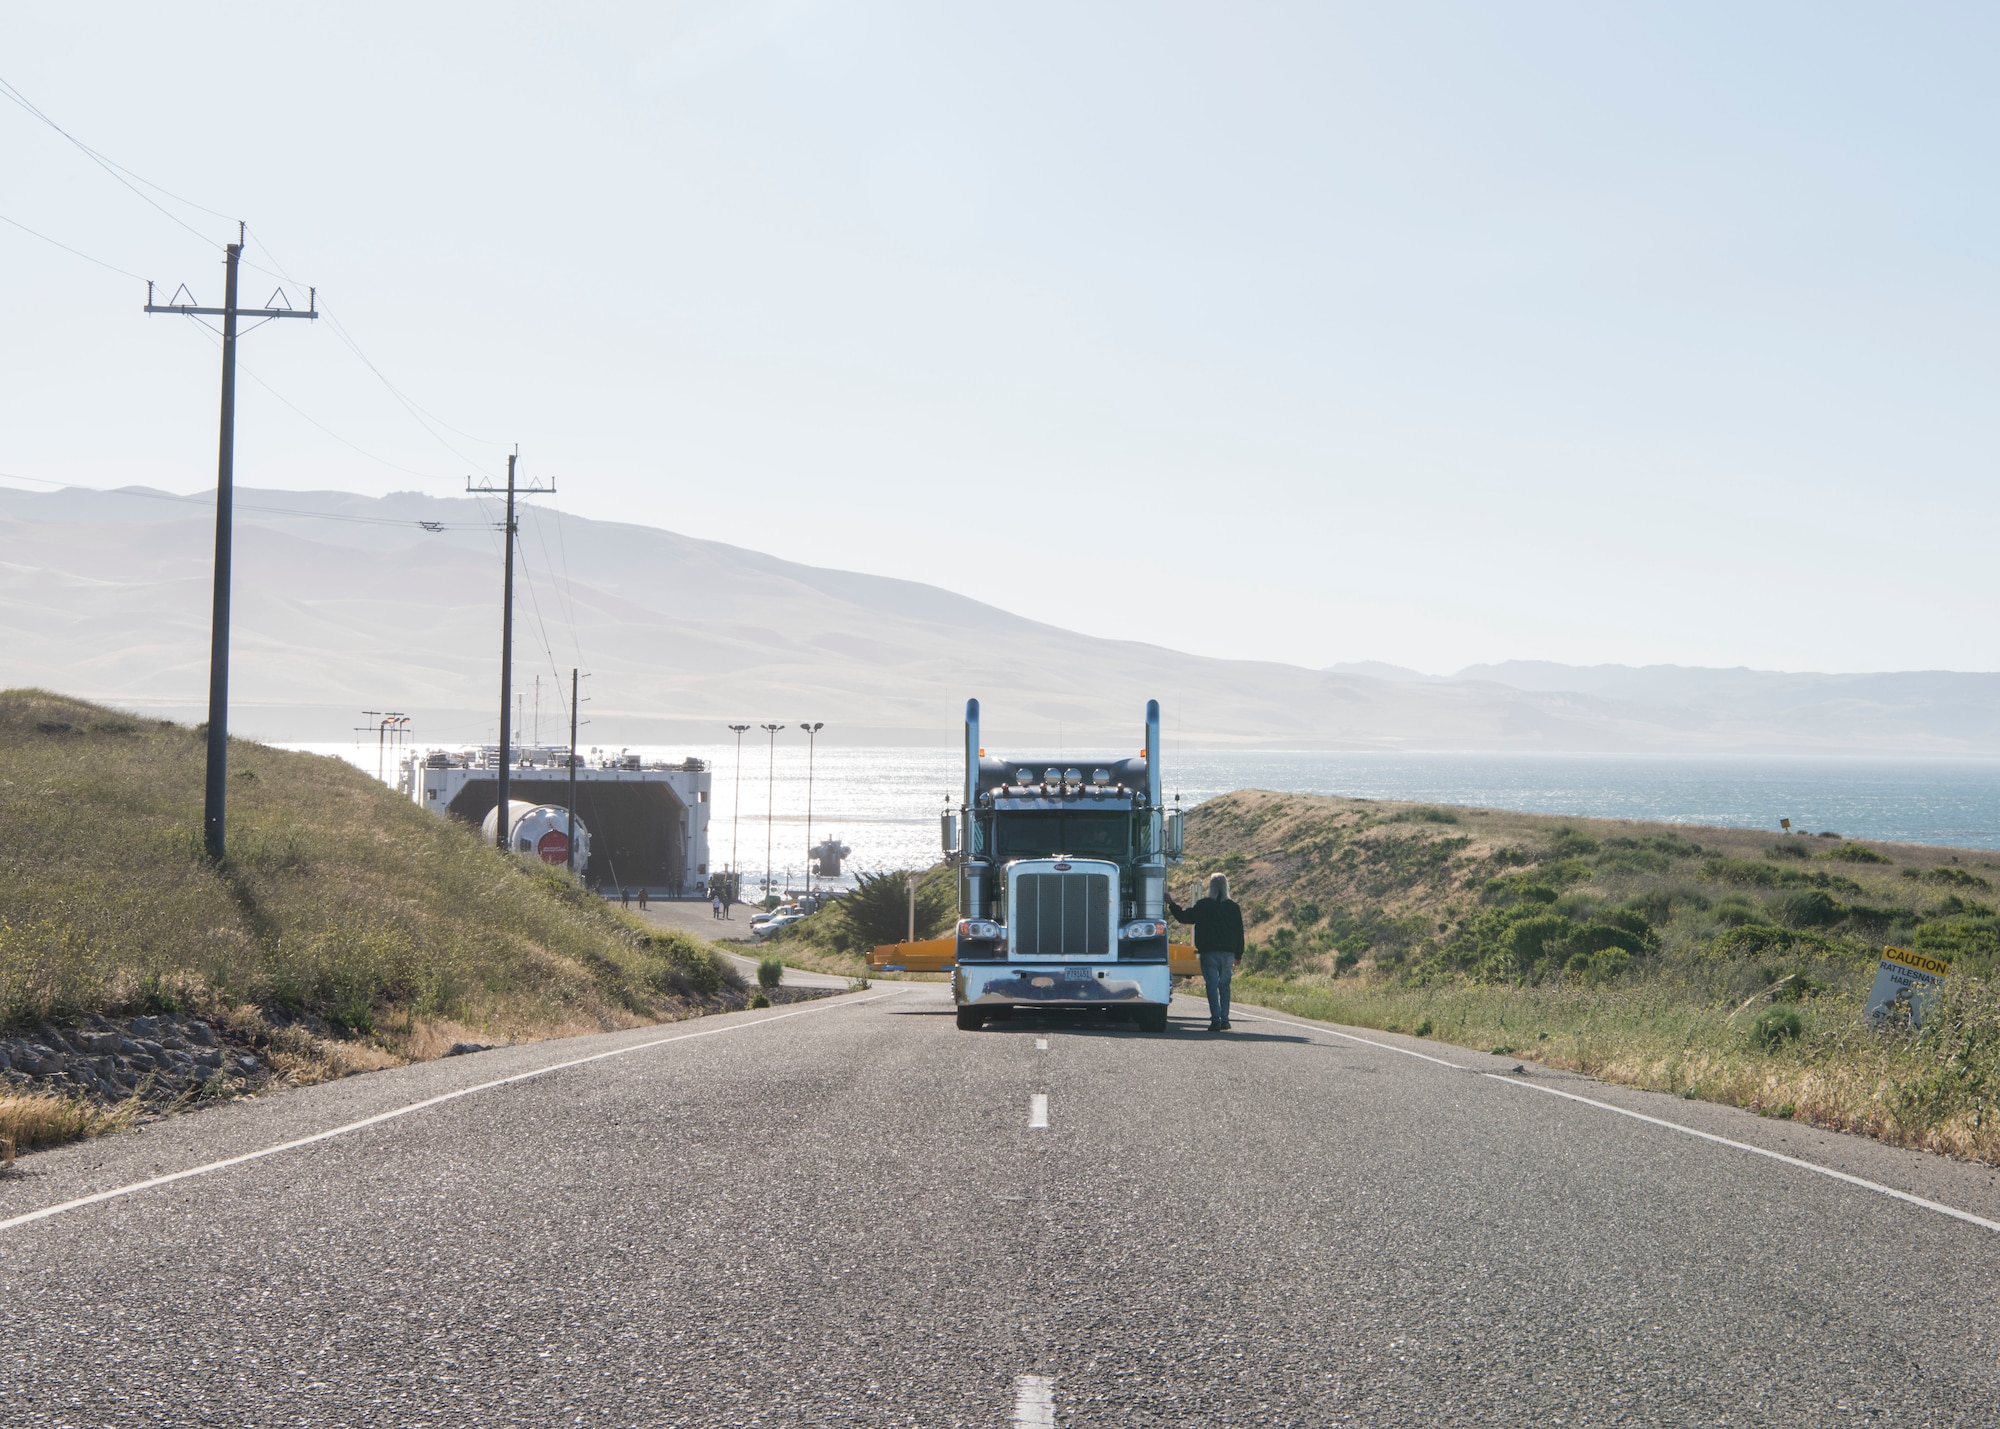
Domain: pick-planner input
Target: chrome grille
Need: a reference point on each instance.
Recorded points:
(1062, 915)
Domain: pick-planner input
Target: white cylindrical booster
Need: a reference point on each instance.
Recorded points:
(540, 831)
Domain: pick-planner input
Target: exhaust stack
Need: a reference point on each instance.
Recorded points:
(971, 756)
(1153, 754)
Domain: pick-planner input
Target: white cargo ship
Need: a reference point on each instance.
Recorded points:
(648, 819)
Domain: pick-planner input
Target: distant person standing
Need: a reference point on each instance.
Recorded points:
(624, 896)
(715, 905)
(1218, 940)
(642, 899)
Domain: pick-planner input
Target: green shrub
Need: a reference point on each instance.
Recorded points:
(1790, 848)
(1969, 944)
(1776, 1027)
(1735, 911)
(1855, 853)
(1756, 939)
(1948, 878)
(770, 972)
(1423, 814)
(1567, 842)
(758, 999)
(878, 912)
(1814, 909)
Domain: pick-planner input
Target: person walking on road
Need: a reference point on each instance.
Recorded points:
(643, 893)
(1218, 940)
(715, 906)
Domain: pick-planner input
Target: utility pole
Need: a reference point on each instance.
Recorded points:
(386, 723)
(500, 828)
(215, 793)
(571, 860)
(770, 800)
(812, 739)
(736, 818)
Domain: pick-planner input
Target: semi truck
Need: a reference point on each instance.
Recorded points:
(1062, 883)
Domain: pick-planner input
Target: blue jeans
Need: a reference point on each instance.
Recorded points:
(1215, 971)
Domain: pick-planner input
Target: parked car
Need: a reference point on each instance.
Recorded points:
(783, 910)
(779, 919)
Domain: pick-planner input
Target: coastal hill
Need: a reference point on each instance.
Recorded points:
(347, 603)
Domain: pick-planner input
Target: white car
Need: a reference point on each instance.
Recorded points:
(779, 919)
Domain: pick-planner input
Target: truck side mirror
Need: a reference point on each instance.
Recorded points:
(1173, 835)
(949, 831)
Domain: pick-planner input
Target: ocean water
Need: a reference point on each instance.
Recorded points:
(883, 803)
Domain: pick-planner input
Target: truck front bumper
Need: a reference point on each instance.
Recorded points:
(1054, 985)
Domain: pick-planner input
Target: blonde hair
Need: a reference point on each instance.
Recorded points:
(1218, 885)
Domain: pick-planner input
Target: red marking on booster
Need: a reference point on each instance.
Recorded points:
(553, 847)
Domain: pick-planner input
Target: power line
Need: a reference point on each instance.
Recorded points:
(352, 446)
(417, 410)
(131, 180)
(566, 600)
(117, 171)
(67, 249)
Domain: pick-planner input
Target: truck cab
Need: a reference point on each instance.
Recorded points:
(1062, 882)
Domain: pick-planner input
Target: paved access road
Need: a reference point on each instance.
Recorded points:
(839, 1214)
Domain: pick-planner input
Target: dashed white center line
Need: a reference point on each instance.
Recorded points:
(1035, 1400)
(1041, 1044)
(1038, 1110)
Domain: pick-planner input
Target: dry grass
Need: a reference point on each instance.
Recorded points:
(1627, 951)
(31, 1121)
(347, 928)
(1932, 1089)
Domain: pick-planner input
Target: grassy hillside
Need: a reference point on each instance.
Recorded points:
(1718, 963)
(363, 927)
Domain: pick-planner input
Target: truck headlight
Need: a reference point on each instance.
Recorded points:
(1144, 928)
(981, 930)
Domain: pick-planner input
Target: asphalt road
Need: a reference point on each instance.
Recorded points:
(839, 1214)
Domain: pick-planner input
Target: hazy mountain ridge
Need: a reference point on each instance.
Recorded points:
(105, 594)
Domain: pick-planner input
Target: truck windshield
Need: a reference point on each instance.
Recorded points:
(1039, 835)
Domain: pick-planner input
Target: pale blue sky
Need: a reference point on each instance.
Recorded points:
(1428, 333)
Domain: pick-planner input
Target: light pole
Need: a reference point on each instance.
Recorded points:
(770, 798)
(812, 739)
(736, 818)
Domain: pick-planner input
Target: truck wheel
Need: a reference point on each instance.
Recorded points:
(970, 1019)
(1152, 1019)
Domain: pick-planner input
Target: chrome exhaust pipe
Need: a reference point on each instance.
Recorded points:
(1153, 753)
(971, 756)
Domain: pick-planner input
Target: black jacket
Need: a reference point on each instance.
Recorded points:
(1218, 924)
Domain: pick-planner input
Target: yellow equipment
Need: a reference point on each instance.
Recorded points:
(939, 955)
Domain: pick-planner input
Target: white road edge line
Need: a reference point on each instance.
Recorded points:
(1366, 1042)
(1038, 1111)
(353, 1126)
(1863, 1183)
(1035, 1400)
(1041, 1044)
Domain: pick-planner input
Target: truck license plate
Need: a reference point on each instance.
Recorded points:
(1077, 974)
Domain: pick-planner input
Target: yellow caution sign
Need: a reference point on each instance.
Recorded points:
(1905, 977)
